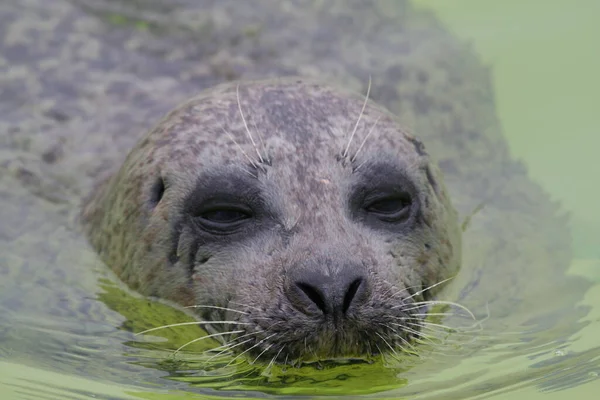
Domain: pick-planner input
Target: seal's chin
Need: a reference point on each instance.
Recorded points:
(339, 346)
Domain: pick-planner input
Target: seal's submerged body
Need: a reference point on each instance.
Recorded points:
(322, 228)
(302, 205)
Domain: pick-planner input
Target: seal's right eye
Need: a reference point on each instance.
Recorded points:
(225, 216)
(224, 204)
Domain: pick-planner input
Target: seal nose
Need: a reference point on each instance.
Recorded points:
(333, 295)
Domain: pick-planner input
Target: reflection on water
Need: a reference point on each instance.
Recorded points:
(80, 79)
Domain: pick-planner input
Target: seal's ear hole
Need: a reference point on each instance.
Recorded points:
(157, 191)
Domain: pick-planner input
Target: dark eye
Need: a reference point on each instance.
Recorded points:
(223, 219)
(225, 216)
(394, 208)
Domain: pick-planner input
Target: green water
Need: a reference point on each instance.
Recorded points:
(544, 61)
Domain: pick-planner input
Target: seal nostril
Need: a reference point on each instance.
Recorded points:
(351, 293)
(313, 294)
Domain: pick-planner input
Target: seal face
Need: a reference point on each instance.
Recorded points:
(303, 213)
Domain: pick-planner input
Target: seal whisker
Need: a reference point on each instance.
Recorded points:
(407, 290)
(345, 152)
(191, 323)
(423, 334)
(399, 336)
(424, 324)
(409, 307)
(359, 166)
(383, 354)
(404, 327)
(250, 348)
(237, 94)
(408, 329)
(204, 337)
(218, 308)
(239, 337)
(437, 340)
(262, 352)
(252, 162)
(423, 341)
(449, 303)
(250, 173)
(365, 139)
(432, 315)
(433, 326)
(386, 342)
(447, 330)
(430, 287)
(262, 143)
(274, 358)
(245, 305)
(227, 348)
(419, 336)
(412, 350)
(389, 289)
(419, 317)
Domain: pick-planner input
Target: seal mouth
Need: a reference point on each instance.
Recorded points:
(294, 338)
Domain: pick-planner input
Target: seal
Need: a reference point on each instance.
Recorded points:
(82, 80)
(299, 216)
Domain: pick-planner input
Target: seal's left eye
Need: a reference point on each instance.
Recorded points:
(395, 208)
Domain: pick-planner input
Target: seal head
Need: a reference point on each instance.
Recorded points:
(301, 212)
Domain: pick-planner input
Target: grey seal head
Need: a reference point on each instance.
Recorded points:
(304, 213)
